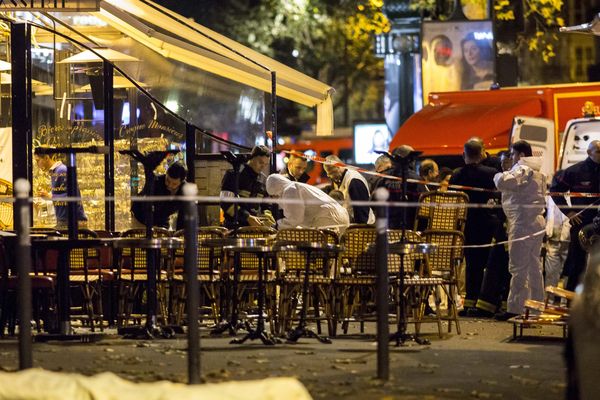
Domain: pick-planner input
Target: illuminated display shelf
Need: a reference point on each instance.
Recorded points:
(90, 178)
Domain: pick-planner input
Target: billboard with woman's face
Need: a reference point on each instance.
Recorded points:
(457, 56)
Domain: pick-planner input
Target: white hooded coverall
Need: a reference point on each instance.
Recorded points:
(315, 209)
(523, 203)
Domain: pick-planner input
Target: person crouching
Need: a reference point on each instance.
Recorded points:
(313, 208)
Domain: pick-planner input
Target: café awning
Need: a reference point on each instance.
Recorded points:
(186, 41)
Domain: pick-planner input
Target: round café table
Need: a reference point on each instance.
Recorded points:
(313, 250)
(39, 243)
(404, 248)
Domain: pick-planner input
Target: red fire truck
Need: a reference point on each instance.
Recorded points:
(559, 121)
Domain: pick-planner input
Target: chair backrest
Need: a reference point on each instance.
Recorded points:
(45, 261)
(449, 253)
(442, 210)
(106, 252)
(331, 236)
(135, 258)
(356, 256)
(207, 257)
(414, 263)
(294, 262)
(83, 259)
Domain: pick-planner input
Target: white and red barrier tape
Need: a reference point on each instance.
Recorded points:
(324, 161)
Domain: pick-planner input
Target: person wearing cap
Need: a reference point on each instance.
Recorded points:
(169, 184)
(394, 186)
(311, 208)
(251, 185)
(481, 222)
(295, 169)
(354, 186)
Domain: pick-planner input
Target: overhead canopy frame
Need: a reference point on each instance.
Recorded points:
(205, 49)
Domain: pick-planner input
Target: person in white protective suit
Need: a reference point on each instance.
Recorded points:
(313, 208)
(523, 203)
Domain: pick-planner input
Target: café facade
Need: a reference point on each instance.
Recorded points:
(131, 75)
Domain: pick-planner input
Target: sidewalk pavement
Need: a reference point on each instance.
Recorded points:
(483, 362)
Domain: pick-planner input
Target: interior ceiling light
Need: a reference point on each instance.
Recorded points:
(119, 82)
(88, 56)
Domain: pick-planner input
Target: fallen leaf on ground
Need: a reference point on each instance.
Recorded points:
(350, 361)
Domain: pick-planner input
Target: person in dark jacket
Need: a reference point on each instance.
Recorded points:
(251, 185)
(295, 169)
(394, 187)
(169, 184)
(354, 186)
(581, 177)
(481, 222)
(487, 159)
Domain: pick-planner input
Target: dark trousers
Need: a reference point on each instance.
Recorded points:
(475, 260)
(576, 259)
(477, 232)
(496, 278)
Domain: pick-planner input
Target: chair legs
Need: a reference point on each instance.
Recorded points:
(320, 297)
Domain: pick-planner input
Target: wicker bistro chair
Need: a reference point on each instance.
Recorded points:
(431, 214)
(89, 272)
(292, 267)
(444, 263)
(43, 289)
(248, 278)
(355, 282)
(418, 283)
(209, 275)
(132, 277)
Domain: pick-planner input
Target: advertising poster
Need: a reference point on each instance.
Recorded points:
(457, 56)
(370, 137)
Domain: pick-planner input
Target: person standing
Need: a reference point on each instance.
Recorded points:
(558, 238)
(58, 184)
(523, 188)
(354, 186)
(169, 184)
(394, 187)
(487, 159)
(581, 177)
(496, 278)
(382, 163)
(251, 185)
(295, 169)
(481, 222)
(430, 172)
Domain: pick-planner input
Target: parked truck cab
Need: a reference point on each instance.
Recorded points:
(556, 119)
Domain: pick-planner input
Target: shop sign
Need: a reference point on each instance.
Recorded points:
(49, 5)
